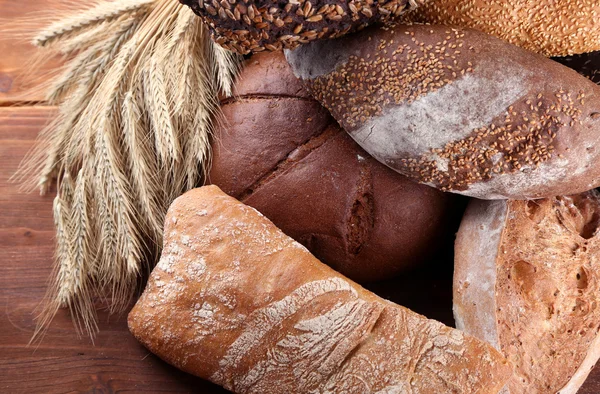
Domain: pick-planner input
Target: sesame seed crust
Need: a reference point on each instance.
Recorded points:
(460, 110)
(552, 28)
(247, 26)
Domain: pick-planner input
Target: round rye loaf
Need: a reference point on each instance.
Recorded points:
(527, 280)
(549, 27)
(279, 151)
(459, 109)
(257, 25)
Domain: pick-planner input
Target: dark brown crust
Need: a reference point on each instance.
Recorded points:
(538, 141)
(258, 25)
(285, 156)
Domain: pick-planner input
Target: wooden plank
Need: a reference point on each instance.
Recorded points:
(16, 80)
(63, 362)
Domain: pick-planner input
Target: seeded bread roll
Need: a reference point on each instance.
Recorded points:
(587, 64)
(549, 27)
(257, 25)
(280, 152)
(460, 110)
(236, 301)
(527, 281)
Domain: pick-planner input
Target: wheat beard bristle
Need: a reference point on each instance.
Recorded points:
(136, 101)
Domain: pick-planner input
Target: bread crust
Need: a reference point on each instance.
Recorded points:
(255, 26)
(459, 110)
(545, 288)
(279, 151)
(236, 301)
(552, 28)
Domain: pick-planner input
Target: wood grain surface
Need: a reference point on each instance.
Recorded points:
(115, 362)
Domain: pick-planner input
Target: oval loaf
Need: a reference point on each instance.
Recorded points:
(459, 109)
(527, 280)
(246, 26)
(279, 151)
(549, 27)
(236, 301)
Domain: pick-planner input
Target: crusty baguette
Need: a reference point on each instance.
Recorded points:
(460, 110)
(549, 27)
(236, 301)
(527, 281)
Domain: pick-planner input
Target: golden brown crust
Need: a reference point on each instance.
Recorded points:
(257, 25)
(545, 288)
(236, 301)
(459, 110)
(552, 28)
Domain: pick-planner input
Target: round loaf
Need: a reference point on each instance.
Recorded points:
(459, 109)
(549, 27)
(257, 25)
(586, 64)
(281, 153)
(526, 280)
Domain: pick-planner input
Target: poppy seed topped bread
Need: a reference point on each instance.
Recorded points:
(246, 26)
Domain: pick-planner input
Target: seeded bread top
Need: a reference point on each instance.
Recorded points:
(257, 25)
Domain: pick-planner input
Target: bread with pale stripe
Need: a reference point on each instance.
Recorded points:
(459, 109)
(236, 301)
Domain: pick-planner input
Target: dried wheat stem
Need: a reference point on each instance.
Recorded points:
(226, 67)
(103, 11)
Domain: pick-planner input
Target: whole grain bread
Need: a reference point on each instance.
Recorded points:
(527, 281)
(549, 27)
(254, 26)
(279, 151)
(459, 109)
(236, 301)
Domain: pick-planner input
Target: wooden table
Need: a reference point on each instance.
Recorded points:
(64, 362)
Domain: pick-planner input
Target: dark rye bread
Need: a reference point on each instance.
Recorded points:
(280, 152)
(246, 26)
(527, 280)
(460, 110)
(549, 27)
(586, 64)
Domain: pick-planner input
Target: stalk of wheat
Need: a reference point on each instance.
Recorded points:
(136, 101)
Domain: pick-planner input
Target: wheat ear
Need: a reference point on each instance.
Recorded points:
(137, 100)
(103, 11)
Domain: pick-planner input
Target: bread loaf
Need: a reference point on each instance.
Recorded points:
(527, 281)
(280, 152)
(254, 26)
(236, 301)
(587, 64)
(459, 109)
(549, 27)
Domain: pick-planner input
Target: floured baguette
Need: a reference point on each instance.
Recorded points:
(236, 301)
(526, 281)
